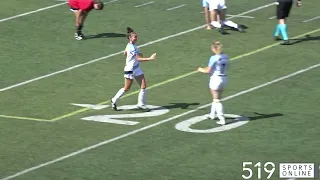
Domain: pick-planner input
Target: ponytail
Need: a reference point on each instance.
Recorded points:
(130, 31)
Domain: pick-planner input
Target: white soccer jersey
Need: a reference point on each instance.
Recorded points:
(131, 61)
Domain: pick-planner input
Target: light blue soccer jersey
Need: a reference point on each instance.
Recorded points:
(131, 60)
(204, 3)
(218, 64)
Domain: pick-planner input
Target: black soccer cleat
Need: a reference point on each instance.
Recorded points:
(240, 29)
(285, 42)
(222, 31)
(276, 38)
(114, 106)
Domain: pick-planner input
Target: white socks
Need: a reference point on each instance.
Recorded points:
(217, 108)
(216, 24)
(230, 24)
(141, 97)
(118, 95)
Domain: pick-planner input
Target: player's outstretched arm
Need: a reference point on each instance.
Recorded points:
(140, 58)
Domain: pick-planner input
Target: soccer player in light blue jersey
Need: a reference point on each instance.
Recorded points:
(217, 67)
(133, 71)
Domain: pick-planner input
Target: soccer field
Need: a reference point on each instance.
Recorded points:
(55, 118)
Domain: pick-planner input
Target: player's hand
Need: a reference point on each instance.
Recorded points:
(199, 69)
(153, 56)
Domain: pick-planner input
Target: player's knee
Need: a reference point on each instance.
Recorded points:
(143, 86)
(216, 100)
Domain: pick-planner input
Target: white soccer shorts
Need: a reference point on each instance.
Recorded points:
(216, 4)
(133, 74)
(217, 82)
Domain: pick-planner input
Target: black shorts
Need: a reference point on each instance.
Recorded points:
(283, 8)
(73, 9)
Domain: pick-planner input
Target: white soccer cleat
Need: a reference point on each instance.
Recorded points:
(144, 107)
(221, 122)
(210, 116)
(78, 36)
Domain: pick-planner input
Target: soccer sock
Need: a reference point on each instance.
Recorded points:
(213, 109)
(219, 109)
(141, 97)
(230, 24)
(216, 24)
(276, 31)
(118, 95)
(79, 28)
(283, 30)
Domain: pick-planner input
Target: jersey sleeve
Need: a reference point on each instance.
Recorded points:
(132, 50)
(212, 60)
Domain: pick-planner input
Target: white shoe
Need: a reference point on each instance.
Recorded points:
(142, 106)
(210, 116)
(78, 36)
(221, 122)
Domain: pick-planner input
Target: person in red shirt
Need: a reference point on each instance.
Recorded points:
(81, 8)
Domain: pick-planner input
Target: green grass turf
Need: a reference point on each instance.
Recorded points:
(43, 42)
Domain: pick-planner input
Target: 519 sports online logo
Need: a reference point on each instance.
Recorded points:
(270, 170)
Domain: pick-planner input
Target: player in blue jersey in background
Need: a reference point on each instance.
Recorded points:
(217, 67)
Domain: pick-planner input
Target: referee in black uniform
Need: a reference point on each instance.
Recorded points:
(283, 10)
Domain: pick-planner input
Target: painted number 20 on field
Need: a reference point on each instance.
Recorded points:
(155, 111)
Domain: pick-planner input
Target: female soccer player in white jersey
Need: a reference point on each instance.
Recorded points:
(217, 67)
(133, 71)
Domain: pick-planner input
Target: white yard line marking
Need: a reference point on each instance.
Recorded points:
(229, 15)
(272, 17)
(308, 20)
(120, 52)
(110, 1)
(31, 12)
(176, 7)
(154, 124)
(151, 2)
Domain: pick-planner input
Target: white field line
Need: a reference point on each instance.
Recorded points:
(31, 12)
(272, 17)
(110, 1)
(308, 20)
(121, 52)
(151, 2)
(176, 7)
(230, 15)
(154, 125)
